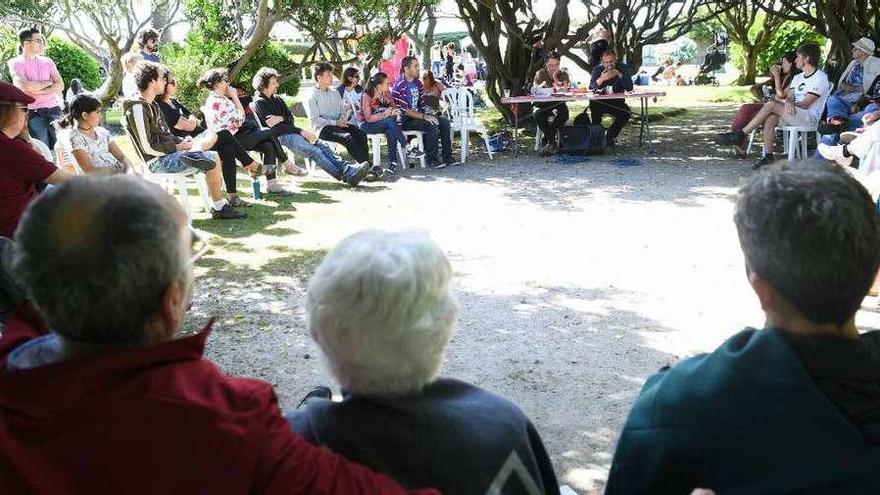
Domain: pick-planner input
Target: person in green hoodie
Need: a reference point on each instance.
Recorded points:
(791, 408)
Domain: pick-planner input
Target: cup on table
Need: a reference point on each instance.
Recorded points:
(507, 93)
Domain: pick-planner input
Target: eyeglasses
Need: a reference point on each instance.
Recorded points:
(24, 109)
(39, 41)
(200, 247)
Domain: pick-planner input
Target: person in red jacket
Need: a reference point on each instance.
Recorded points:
(109, 401)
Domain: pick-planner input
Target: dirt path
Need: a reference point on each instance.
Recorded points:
(576, 281)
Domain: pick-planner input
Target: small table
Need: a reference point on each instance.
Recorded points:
(643, 96)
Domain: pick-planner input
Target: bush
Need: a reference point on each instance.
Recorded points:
(73, 62)
(272, 54)
(787, 37)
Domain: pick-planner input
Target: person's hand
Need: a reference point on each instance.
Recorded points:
(342, 122)
(189, 125)
(273, 120)
(775, 70)
(185, 145)
(232, 92)
(195, 121)
(789, 107)
(869, 118)
(309, 136)
(433, 120)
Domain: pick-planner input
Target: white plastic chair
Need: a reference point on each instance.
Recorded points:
(420, 142)
(794, 140)
(64, 152)
(460, 105)
(376, 148)
(171, 181)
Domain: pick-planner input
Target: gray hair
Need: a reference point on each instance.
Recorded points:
(96, 254)
(813, 233)
(381, 308)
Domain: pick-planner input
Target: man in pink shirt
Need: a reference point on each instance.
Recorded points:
(38, 77)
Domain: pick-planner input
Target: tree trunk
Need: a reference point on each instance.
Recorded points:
(110, 88)
(429, 37)
(747, 77)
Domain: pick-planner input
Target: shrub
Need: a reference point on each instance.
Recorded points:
(73, 62)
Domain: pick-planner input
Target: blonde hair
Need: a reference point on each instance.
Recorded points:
(129, 60)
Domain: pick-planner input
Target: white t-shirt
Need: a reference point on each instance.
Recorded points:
(129, 87)
(98, 149)
(816, 83)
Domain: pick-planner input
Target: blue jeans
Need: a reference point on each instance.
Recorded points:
(431, 134)
(321, 154)
(854, 121)
(40, 124)
(435, 67)
(174, 163)
(392, 133)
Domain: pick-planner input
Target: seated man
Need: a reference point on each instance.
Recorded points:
(385, 347)
(111, 400)
(24, 168)
(326, 111)
(862, 145)
(408, 94)
(851, 90)
(271, 111)
(165, 152)
(549, 117)
(802, 105)
(791, 408)
(615, 77)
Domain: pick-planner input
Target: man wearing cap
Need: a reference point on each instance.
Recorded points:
(23, 167)
(38, 77)
(845, 104)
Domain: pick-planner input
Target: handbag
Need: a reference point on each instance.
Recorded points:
(581, 140)
(500, 141)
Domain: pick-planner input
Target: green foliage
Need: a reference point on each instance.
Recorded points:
(786, 38)
(73, 62)
(211, 43)
(683, 49)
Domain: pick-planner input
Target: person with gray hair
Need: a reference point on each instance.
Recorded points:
(791, 408)
(381, 308)
(109, 400)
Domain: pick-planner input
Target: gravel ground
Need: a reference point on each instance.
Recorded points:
(576, 281)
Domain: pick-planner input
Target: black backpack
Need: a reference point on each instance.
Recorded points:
(581, 140)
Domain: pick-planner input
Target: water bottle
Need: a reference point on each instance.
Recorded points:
(255, 184)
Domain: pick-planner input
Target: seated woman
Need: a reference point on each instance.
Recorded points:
(91, 145)
(179, 119)
(433, 92)
(225, 115)
(385, 346)
(780, 77)
(350, 90)
(379, 115)
(802, 105)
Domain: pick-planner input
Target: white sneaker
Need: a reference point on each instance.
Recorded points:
(834, 153)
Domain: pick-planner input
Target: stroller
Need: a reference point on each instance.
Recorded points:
(716, 57)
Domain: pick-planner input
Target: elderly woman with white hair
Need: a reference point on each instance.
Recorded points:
(381, 308)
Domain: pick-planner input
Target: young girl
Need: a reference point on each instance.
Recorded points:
(92, 146)
(379, 115)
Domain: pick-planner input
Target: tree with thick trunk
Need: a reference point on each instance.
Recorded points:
(738, 21)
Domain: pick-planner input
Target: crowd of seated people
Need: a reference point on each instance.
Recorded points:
(801, 106)
(96, 383)
(855, 89)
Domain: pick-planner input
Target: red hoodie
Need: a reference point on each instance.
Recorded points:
(160, 420)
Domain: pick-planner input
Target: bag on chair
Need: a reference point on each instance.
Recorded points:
(581, 140)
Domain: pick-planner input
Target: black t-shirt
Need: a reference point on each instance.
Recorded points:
(172, 111)
(848, 373)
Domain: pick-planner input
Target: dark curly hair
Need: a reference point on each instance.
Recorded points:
(322, 68)
(146, 35)
(146, 72)
(213, 76)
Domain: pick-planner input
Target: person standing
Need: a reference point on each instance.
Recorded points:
(148, 42)
(598, 45)
(408, 95)
(436, 58)
(38, 77)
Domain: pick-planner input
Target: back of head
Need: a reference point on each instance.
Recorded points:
(811, 52)
(212, 77)
(96, 254)
(813, 233)
(381, 308)
(146, 72)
